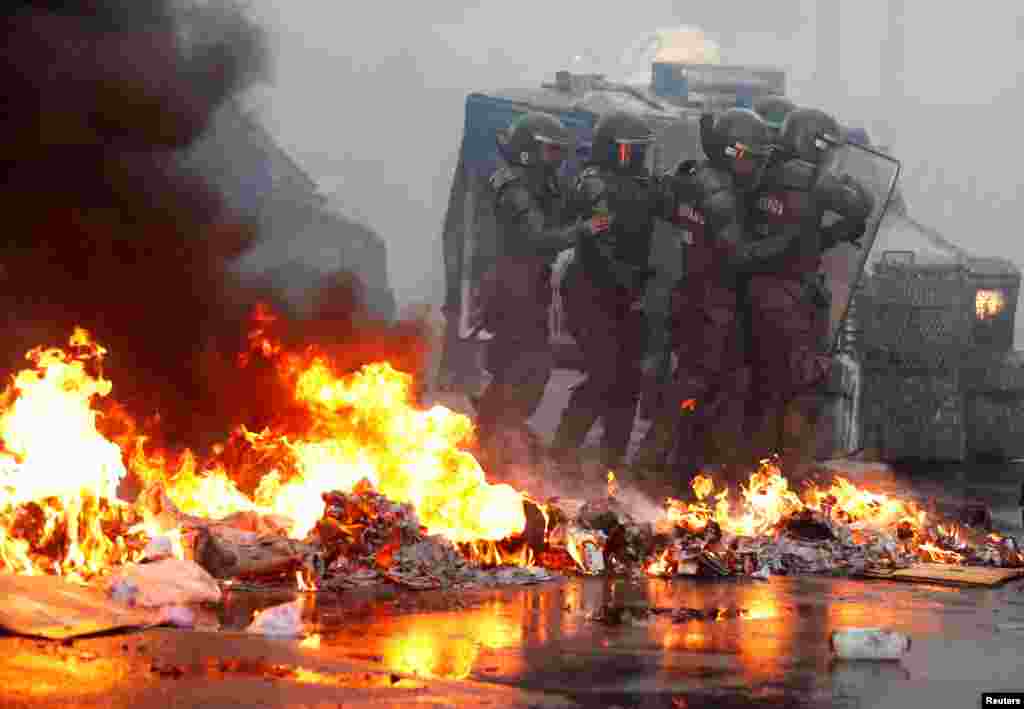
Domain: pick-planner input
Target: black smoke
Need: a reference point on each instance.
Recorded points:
(100, 226)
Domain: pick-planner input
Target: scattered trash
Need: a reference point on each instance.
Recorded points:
(157, 549)
(586, 547)
(178, 617)
(869, 644)
(170, 582)
(284, 620)
(624, 613)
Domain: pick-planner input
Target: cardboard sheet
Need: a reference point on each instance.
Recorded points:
(949, 575)
(49, 607)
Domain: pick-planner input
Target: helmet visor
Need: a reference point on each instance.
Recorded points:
(632, 155)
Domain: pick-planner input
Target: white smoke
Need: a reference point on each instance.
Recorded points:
(684, 44)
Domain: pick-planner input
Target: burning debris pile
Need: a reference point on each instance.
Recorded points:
(839, 529)
(367, 488)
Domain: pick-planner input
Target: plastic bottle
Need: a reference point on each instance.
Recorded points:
(869, 644)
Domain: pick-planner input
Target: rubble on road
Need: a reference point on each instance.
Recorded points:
(283, 621)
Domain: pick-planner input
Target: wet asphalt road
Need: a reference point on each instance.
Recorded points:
(535, 646)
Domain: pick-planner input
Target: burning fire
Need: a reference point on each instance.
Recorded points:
(989, 303)
(365, 428)
(59, 475)
(766, 500)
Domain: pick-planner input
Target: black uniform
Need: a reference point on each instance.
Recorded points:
(711, 312)
(604, 286)
(790, 307)
(532, 216)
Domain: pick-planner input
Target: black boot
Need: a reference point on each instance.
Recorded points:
(577, 420)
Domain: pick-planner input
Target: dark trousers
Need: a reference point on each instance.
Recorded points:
(701, 415)
(520, 365)
(612, 338)
(788, 363)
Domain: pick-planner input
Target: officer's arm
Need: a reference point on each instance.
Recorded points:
(742, 254)
(847, 198)
(844, 195)
(519, 209)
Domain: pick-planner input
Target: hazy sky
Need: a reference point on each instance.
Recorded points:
(372, 101)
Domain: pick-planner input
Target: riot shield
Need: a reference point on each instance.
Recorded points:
(843, 265)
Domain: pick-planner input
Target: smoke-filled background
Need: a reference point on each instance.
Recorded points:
(105, 227)
(371, 102)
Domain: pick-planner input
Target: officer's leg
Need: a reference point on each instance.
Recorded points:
(587, 400)
(536, 368)
(624, 387)
(715, 356)
(491, 402)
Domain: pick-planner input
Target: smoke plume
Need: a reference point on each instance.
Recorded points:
(103, 229)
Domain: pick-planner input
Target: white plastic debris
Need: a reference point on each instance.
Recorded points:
(283, 621)
(586, 547)
(177, 616)
(869, 644)
(158, 548)
(170, 582)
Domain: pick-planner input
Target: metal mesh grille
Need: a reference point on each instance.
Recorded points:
(914, 413)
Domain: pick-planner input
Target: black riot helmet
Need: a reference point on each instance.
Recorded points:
(773, 110)
(623, 143)
(535, 139)
(736, 141)
(808, 133)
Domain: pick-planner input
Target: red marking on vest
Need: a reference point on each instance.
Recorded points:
(690, 214)
(772, 205)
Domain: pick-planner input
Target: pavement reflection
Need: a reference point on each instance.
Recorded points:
(759, 641)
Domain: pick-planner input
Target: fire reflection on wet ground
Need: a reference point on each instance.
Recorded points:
(752, 632)
(751, 638)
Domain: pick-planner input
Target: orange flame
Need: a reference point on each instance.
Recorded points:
(56, 465)
(766, 500)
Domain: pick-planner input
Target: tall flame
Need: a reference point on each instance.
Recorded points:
(366, 426)
(52, 455)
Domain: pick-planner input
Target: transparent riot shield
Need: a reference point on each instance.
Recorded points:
(844, 264)
(479, 256)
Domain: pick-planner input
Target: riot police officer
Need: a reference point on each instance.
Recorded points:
(710, 306)
(535, 221)
(790, 306)
(603, 288)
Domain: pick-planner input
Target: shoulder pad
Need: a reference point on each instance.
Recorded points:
(793, 175)
(503, 177)
(514, 196)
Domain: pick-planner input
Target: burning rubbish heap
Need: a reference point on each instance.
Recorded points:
(367, 488)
